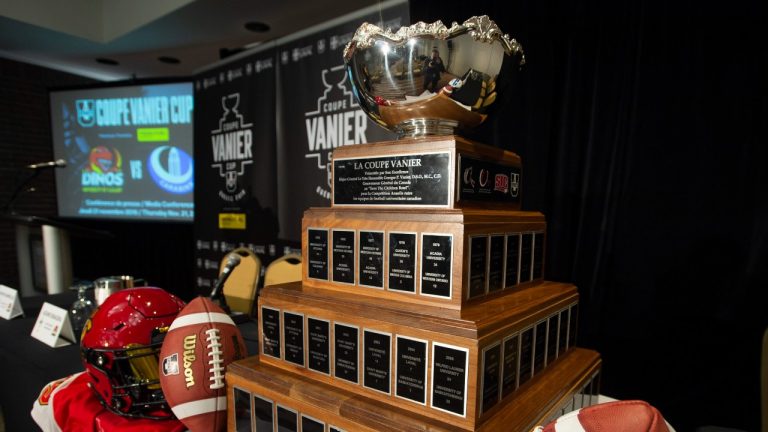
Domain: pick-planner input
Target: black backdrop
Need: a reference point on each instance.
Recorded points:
(642, 130)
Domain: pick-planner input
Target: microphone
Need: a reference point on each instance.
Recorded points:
(233, 260)
(59, 163)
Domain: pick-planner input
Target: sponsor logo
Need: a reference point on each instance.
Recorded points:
(104, 171)
(336, 121)
(86, 112)
(484, 174)
(190, 342)
(174, 172)
(171, 364)
(232, 146)
(514, 189)
(468, 179)
(501, 183)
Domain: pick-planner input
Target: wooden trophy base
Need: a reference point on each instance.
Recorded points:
(455, 366)
(264, 396)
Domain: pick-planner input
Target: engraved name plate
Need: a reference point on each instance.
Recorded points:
(242, 411)
(449, 378)
(488, 181)
(345, 356)
(526, 355)
(270, 325)
(539, 346)
(411, 369)
(552, 329)
(538, 255)
(511, 351)
(317, 249)
(496, 264)
(526, 257)
(478, 256)
(309, 424)
(371, 259)
(319, 345)
(287, 419)
(262, 412)
(402, 262)
(343, 247)
(376, 360)
(293, 329)
(489, 388)
(410, 180)
(512, 269)
(436, 254)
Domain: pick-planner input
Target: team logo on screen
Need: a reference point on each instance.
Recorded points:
(104, 172)
(336, 121)
(86, 112)
(172, 169)
(232, 144)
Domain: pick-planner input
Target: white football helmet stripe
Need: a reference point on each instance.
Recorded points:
(201, 318)
(198, 407)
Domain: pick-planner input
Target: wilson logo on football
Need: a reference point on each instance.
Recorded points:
(189, 357)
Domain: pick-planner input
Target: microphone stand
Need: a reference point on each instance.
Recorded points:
(7, 208)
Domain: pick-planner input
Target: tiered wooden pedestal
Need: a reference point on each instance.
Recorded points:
(428, 318)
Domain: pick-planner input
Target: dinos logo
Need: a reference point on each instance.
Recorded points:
(337, 121)
(232, 145)
(104, 171)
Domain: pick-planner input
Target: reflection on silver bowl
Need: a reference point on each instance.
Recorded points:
(428, 79)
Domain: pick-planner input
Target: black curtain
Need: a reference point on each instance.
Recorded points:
(642, 130)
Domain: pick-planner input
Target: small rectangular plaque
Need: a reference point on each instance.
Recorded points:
(53, 327)
(242, 411)
(552, 329)
(512, 269)
(489, 387)
(511, 351)
(449, 378)
(345, 355)
(573, 321)
(371, 258)
(377, 349)
(538, 255)
(293, 329)
(411, 369)
(270, 327)
(262, 412)
(343, 247)
(319, 345)
(526, 355)
(496, 260)
(526, 257)
(402, 262)
(317, 249)
(539, 346)
(436, 254)
(309, 424)
(478, 265)
(410, 180)
(287, 419)
(488, 181)
(562, 341)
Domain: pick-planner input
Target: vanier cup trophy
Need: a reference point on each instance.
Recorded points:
(422, 304)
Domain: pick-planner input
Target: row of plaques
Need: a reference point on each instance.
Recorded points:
(351, 257)
(509, 363)
(334, 349)
(260, 414)
(499, 261)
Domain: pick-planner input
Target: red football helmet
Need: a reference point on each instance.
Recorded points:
(120, 345)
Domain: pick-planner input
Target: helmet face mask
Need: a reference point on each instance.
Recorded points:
(120, 347)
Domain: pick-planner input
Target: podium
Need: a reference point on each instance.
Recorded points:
(56, 257)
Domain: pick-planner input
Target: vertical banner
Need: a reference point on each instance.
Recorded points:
(235, 173)
(318, 113)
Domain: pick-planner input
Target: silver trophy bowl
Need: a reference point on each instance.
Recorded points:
(428, 79)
